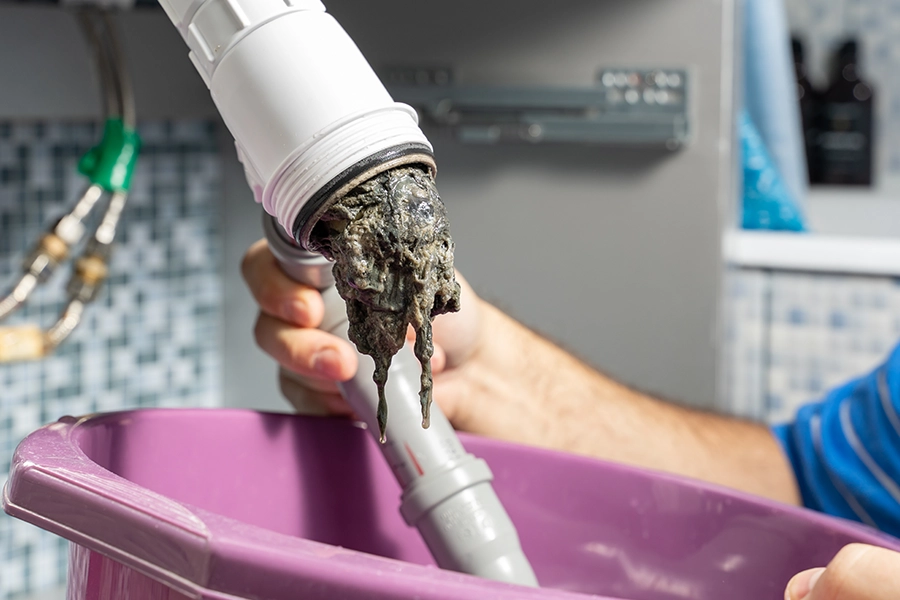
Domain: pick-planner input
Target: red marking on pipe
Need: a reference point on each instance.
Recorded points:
(413, 457)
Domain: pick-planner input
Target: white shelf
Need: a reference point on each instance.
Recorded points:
(812, 252)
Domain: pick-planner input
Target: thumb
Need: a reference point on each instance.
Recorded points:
(801, 584)
(857, 572)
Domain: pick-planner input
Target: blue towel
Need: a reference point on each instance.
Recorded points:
(767, 203)
(770, 91)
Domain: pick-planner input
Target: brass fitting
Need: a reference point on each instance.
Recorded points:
(92, 269)
(22, 343)
(54, 246)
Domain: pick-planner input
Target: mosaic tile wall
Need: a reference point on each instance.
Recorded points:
(152, 338)
(822, 24)
(790, 337)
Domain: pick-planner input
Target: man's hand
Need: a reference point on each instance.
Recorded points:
(494, 377)
(314, 361)
(858, 572)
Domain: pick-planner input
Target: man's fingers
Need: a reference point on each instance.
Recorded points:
(276, 293)
(309, 352)
(308, 400)
(857, 572)
(800, 584)
(860, 572)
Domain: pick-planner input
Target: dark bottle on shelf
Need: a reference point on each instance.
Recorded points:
(843, 146)
(809, 98)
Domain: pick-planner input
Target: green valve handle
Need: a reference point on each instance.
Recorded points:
(110, 164)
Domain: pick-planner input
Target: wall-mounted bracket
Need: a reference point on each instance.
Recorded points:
(627, 107)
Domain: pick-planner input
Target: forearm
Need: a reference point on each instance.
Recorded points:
(533, 392)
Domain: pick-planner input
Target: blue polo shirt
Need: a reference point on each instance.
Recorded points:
(845, 449)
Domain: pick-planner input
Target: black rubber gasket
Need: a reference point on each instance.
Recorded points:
(311, 208)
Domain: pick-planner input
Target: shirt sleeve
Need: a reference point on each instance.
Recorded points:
(845, 449)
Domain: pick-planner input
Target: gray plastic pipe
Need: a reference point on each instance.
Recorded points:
(447, 492)
(310, 118)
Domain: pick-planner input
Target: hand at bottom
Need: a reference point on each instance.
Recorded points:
(858, 572)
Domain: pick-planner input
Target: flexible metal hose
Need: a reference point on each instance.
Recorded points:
(91, 268)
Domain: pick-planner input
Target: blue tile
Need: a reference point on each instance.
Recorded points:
(152, 338)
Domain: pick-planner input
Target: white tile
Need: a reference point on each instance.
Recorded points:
(25, 419)
(12, 576)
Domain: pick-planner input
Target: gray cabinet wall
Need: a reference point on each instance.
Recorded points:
(613, 253)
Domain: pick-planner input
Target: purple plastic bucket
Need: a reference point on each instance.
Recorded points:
(171, 504)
